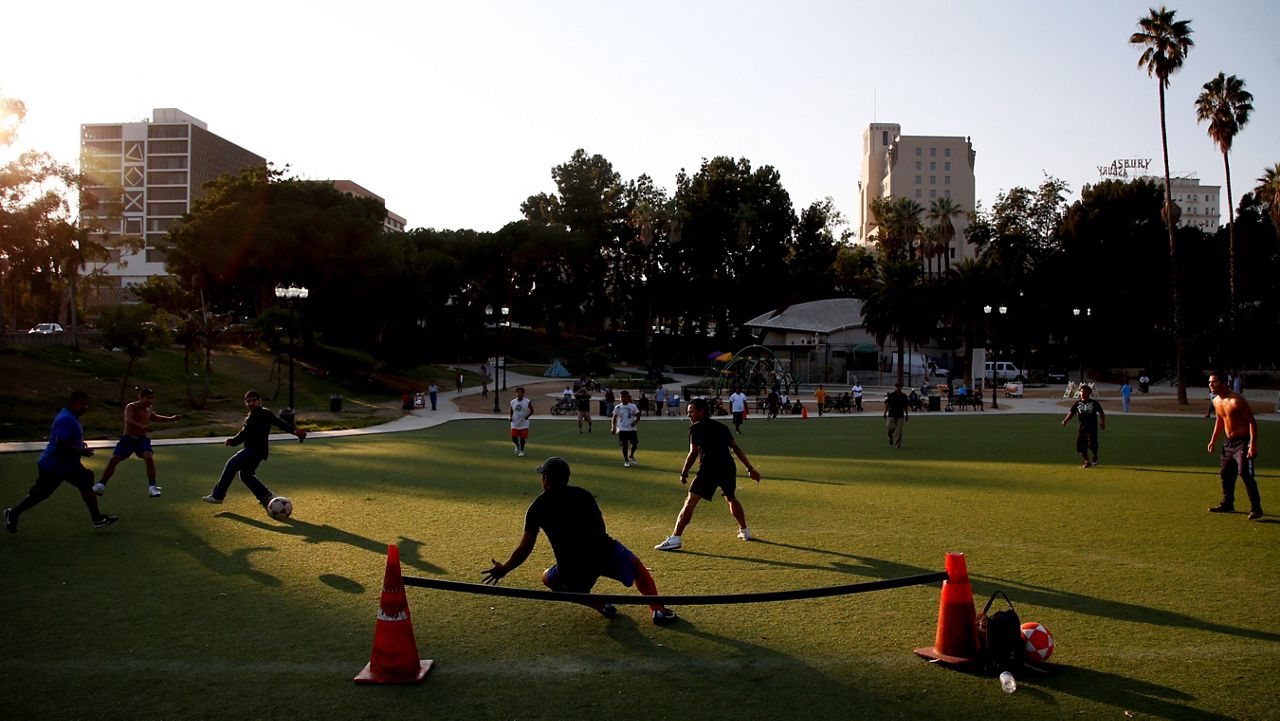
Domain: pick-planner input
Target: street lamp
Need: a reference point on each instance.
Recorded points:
(995, 366)
(291, 296)
(498, 360)
(1088, 313)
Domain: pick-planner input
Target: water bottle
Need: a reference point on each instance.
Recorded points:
(1007, 683)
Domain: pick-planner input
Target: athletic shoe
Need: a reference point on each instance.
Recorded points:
(105, 521)
(10, 521)
(626, 464)
(99, 488)
(521, 454)
(663, 617)
(154, 491)
(1222, 508)
(608, 611)
(1094, 463)
(211, 499)
(1086, 464)
(670, 544)
(745, 534)
(634, 462)
(1255, 515)
(515, 451)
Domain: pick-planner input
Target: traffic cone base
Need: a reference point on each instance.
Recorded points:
(804, 412)
(956, 638)
(395, 652)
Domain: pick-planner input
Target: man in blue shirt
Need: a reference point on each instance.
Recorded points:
(60, 463)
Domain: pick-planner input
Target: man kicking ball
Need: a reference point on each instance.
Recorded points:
(136, 441)
(584, 552)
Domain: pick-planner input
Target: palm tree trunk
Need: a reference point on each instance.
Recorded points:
(1179, 348)
(1231, 235)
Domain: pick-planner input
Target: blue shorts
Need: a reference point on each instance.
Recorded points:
(621, 567)
(130, 445)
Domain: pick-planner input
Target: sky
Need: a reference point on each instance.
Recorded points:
(456, 112)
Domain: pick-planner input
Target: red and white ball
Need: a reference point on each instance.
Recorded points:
(1037, 642)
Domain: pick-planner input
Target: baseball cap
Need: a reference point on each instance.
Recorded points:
(555, 468)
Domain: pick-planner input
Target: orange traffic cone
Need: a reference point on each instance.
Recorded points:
(395, 653)
(804, 412)
(956, 640)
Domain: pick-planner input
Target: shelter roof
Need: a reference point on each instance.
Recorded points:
(818, 316)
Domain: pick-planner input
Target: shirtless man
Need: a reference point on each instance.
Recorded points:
(136, 440)
(1238, 450)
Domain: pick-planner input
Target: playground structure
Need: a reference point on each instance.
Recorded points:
(754, 369)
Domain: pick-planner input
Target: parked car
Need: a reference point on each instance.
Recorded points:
(45, 329)
(1055, 375)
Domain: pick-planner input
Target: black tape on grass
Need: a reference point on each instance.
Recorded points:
(703, 600)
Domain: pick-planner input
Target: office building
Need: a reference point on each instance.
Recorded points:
(393, 222)
(1199, 203)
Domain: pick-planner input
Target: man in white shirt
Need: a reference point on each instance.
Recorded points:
(521, 412)
(738, 405)
(626, 416)
(856, 391)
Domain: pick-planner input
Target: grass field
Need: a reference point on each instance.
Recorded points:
(189, 611)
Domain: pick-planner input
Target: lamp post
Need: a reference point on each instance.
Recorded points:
(1088, 313)
(291, 296)
(506, 341)
(488, 311)
(4, 270)
(995, 365)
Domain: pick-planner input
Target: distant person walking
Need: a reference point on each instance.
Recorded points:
(1235, 419)
(583, 549)
(1126, 391)
(255, 435)
(626, 416)
(583, 398)
(484, 380)
(738, 407)
(136, 440)
(712, 446)
(458, 381)
(1092, 419)
(897, 409)
(60, 463)
(820, 397)
(433, 391)
(521, 412)
(856, 392)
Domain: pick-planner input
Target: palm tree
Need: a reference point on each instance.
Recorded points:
(1268, 191)
(1226, 105)
(1166, 43)
(941, 211)
(891, 305)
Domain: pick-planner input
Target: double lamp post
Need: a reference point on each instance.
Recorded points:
(291, 296)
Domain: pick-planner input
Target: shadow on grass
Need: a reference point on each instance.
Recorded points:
(235, 563)
(410, 550)
(1122, 692)
(1116, 610)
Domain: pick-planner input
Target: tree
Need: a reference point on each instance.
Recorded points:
(966, 287)
(1268, 192)
(941, 212)
(1225, 105)
(134, 329)
(894, 304)
(819, 235)
(1165, 43)
(12, 111)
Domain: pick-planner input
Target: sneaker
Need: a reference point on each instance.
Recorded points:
(745, 534)
(211, 499)
(1094, 462)
(99, 488)
(663, 617)
(10, 521)
(1222, 508)
(105, 521)
(154, 491)
(1086, 464)
(1255, 515)
(515, 451)
(626, 464)
(608, 611)
(521, 454)
(670, 544)
(634, 462)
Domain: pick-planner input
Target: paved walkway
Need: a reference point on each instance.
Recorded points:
(420, 419)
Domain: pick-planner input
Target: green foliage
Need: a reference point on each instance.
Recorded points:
(133, 329)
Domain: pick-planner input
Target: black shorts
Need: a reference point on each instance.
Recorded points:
(1236, 460)
(705, 485)
(1086, 441)
(47, 481)
(628, 437)
(737, 418)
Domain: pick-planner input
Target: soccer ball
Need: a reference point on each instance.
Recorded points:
(1037, 642)
(279, 508)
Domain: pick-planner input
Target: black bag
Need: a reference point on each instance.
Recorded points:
(1000, 646)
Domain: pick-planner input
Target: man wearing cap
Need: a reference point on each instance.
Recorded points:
(584, 551)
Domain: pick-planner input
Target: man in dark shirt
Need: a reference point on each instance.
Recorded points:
(254, 435)
(583, 398)
(896, 412)
(584, 551)
(60, 462)
(710, 443)
(1092, 418)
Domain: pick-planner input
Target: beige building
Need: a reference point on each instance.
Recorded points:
(393, 222)
(922, 168)
(155, 168)
(1199, 203)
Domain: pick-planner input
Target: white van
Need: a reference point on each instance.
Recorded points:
(1007, 370)
(918, 366)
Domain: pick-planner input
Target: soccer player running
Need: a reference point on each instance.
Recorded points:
(583, 398)
(584, 551)
(738, 406)
(254, 435)
(60, 463)
(710, 443)
(1235, 417)
(626, 416)
(1092, 419)
(521, 412)
(136, 440)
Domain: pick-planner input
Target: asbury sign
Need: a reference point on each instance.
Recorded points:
(1120, 167)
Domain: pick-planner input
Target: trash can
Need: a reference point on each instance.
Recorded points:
(935, 403)
(286, 415)
(335, 403)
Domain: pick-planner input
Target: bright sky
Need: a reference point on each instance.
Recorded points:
(455, 112)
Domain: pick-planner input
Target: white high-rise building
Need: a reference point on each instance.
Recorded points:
(1199, 203)
(922, 168)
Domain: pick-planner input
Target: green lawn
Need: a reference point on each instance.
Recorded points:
(184, 610)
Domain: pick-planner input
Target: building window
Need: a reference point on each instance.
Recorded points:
(933, 165)
(947, 166)
(933, 180)
(919, 151)
(166, 208)
(166, 131)
(933, 152)
(157, 255)
(884, 137)
(176, 178)
(178, 192)
(946, 193)
(918, 164)
(102, 132)
(946, 180)
(918, 180)
(167, 146)
(933, 194)
(947, 152)
(167, 162)
(919, 194)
